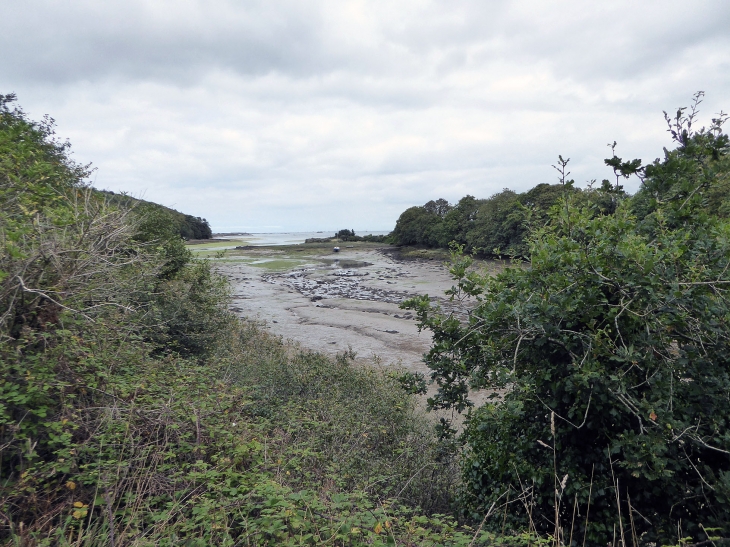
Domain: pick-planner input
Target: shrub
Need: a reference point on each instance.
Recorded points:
(608, 357)
(363, 432)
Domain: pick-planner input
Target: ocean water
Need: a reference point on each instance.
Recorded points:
(289, 238)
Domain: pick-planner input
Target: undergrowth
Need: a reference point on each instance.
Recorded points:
(135, 409)
(168, 450)
(250, 446)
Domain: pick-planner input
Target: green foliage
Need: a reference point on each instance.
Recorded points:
(195, 228)
(376, 238)
(346, 235)
(458, 221)
(125, 447)
(185, 314)
(420, 226)
(413, 382)
(182, 225)
(498, 225)
(361, 433)
(691, 182)
(607, 357)
(79, 274)
(156, 226)
(136, 410)
(349, 235)
(35, 167)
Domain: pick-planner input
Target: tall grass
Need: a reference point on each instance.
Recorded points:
(353, 428)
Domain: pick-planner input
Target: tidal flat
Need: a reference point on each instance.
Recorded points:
(333, 302)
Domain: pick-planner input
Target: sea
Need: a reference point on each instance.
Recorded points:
(287, 238)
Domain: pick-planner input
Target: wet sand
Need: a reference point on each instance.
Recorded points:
(338, 301)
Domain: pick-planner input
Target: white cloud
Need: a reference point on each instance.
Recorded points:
(324, 114)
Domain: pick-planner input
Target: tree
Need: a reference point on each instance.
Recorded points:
(498, 225)
(608, 356)
(439, 207)
(194, 228)
(347, 235)
(420, 225)
(459, 221)
(483, 226)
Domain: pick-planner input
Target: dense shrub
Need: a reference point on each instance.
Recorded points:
(608, 353)
(362, 434)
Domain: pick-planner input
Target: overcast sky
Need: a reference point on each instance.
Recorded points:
(279, 115)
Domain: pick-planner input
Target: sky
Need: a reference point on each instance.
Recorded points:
(279, 115)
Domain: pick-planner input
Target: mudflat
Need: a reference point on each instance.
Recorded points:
(332, 302)
(336, 302)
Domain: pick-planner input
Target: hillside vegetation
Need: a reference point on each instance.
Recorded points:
(135, 409)
(187, 226)
(608, 354)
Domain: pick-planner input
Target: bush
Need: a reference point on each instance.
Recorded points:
(363, 433)
(608, 357)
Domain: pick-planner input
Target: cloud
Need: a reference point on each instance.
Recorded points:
(299, 114)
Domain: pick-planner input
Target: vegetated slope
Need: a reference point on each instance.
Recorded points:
(610, 352)
(136, 410)
(499, 225)
(188, 226)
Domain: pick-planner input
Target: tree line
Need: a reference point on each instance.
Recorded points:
(498, 225)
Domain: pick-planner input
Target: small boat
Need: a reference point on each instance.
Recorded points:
(336, 249)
